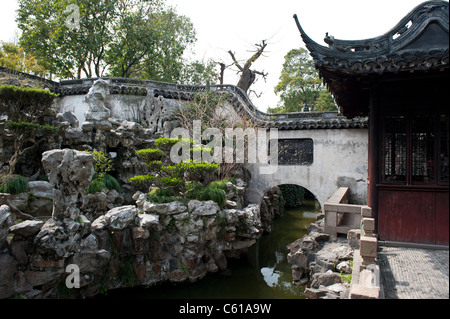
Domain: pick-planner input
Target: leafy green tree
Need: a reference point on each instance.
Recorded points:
(300, 85)
(67, 51)
(198, 73)
(159, 54)
(14, 57)
(125, 38)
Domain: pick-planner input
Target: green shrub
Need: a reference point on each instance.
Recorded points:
(108, 182)
(172, 182)
(219, 185)
(23, 102)
(13, 184)
(38, 129)
(231, 179)
(149, 155)
(214, 194)
(165, 144)
(142, 181)
(111, 183)
(96, 186)
(162, 196)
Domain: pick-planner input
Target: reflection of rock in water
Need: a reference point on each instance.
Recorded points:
(279, 255)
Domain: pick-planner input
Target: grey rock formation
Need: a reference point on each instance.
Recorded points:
(70, 173)
(96, 99)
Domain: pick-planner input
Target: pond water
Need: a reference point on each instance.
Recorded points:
(263, 273)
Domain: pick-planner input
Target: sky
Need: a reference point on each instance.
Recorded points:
(238, 25)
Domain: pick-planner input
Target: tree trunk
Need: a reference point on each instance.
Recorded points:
(13, 162)
(247, 79)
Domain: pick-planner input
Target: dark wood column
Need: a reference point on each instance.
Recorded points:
(374, 145)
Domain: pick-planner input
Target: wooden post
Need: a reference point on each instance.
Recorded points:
(373, 163)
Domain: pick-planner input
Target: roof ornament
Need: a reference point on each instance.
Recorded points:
(329, 40)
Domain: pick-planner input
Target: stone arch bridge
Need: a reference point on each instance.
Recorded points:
(320, 151)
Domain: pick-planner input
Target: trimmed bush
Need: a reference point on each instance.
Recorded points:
(149, 155)
(142, 181)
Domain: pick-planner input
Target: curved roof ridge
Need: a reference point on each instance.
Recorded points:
(410, 25)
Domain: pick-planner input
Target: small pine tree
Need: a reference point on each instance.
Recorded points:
(177, 181)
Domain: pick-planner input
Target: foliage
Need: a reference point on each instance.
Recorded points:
(150, 155)
(14, 57)
(300, 85)
(178, 181)
(162, 196)
(198, 73)
(26, 104)
(37, 129)
(13, 184)
(122, 38)
(210, 193)
(103, 164)
(29, 118)
(219, 185)
(158, 55)
(100, 183)
(293, 195)
(142, 182)
(214, 191)
(346, 278)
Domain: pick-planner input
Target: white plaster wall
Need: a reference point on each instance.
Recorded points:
(340, 159)
(127, 107)
(74, 104)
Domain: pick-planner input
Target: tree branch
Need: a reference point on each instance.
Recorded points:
(235, 62)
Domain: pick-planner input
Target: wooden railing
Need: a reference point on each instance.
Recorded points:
(340, 216)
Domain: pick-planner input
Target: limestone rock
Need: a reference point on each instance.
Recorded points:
(41, 189)
(147, 220)
(27, 228)
(164, 209)
(199, 208)
(120, 217)
(57, 240)
(68, 117)
(96, 99)
(99, 224)
(5, 222)
(70, 173)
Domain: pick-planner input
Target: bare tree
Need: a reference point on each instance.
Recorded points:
(248, 76)
(223, 67)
